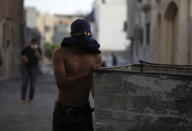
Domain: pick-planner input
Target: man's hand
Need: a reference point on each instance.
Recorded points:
(37, 53)
(36, 50)
(25, 59)
(94, 67)
(90, 76)
(97, 66)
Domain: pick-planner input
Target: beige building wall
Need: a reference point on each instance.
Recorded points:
(169, 29)
(175, 36)
(45, 24)
(63, 26)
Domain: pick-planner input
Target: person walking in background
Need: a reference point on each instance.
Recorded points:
(1, 60)
(114, 59)
(73, 64)
(30, 57)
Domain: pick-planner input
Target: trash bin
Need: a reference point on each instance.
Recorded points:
(143, 97)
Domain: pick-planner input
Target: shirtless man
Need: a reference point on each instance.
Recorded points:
(73, 64)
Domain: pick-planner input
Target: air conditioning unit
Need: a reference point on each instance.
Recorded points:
(146, 5)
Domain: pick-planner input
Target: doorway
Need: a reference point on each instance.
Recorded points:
(171, 15)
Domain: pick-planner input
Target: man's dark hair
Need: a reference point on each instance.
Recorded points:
(34, 40)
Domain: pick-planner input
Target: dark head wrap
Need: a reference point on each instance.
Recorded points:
(82, 41)
(79, 26)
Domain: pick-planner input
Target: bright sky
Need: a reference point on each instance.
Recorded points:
(61, 6)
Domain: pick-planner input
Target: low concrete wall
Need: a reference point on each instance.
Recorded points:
(142, 101)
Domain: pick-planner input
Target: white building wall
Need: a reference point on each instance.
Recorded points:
(110, 17)
(31, 16)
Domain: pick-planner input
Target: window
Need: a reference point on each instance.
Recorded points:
(158, 1)
(125, 26)
(103, 1)
(171, 11)
(141, 36)
(148, 33)
(47, 28)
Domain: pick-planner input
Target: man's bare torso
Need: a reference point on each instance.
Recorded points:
(75, 63)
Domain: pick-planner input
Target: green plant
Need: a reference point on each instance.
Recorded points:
(49, 48)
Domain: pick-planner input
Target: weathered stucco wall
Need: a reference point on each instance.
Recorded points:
(11, 36)
(169, 33)
(136, 101)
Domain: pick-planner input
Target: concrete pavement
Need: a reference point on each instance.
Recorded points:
(28, 117)
(35, 117)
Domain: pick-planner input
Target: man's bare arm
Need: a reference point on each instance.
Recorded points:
(99, 60)
(99, 64)
(62, 80)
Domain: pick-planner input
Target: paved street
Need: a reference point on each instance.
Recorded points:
(28, 117)
(34, 117)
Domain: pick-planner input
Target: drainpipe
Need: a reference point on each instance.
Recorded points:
(190, 33)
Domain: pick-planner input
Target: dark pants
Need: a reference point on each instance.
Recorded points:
(66, 118)
(29, 74)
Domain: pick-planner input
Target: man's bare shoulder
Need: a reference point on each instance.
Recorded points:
(61, 52)
(98, 56)
(58, 54)
(57, 51)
